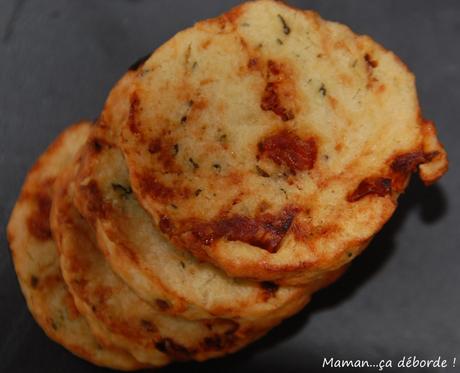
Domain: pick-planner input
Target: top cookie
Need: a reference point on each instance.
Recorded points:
(274, 144)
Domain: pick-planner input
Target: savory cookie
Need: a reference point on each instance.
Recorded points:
(273, 143)
(168, 278)
(37, 263)
(119, 317)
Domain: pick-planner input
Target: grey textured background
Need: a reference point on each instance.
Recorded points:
(59, 58)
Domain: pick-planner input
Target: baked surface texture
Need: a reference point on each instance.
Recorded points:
(36, 258)
(168, 278)
(120, 318)
(274, 144)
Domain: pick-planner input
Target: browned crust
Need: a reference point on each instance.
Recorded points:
(380, 186)
(224, 335)
(438, 165)
(264, 230)
(288, 149)
(38, 221)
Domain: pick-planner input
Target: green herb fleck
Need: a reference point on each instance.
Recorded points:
(33, 281)
(162, 304)
(148, 326)
(122, 190)
(279, 41)
(322, 89)
(262, 172)
(193, 163)
(285, 193)
(54, 325)
(184, 118)
(223, 139)
(286, 28)
(188, 52)
(356, 94)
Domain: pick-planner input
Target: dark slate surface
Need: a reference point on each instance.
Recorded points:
(59, 58)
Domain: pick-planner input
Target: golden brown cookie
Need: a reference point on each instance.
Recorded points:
(166, 277)
(36, 259)
(120, 318)
(274, 144)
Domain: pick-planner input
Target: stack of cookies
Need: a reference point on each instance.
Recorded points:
(230, 175)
